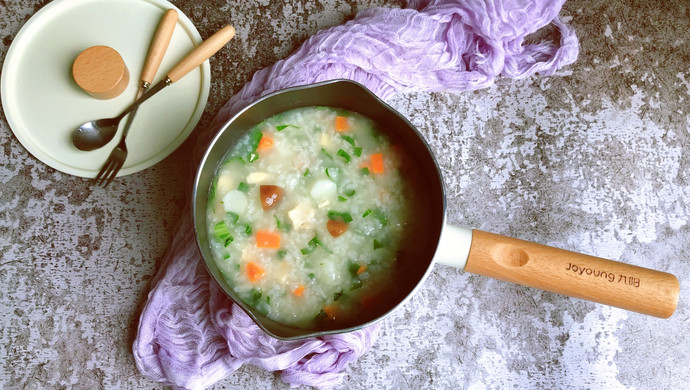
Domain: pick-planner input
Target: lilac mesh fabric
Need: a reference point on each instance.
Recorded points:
(190, 334)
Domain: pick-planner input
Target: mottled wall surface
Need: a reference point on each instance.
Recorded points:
(593, 159)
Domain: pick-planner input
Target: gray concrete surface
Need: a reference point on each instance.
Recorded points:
(593, 160)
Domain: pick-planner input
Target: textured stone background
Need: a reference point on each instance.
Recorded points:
(594, 160)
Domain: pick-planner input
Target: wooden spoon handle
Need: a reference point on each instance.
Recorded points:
(159, 45)
(207, 48)
(587, 277)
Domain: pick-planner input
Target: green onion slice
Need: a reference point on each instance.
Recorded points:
(343, 154)
(345, 216)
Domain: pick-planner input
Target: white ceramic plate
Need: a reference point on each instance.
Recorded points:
(43, 104)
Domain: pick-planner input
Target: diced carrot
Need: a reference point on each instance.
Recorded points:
(377, 163)
(341, 123)
(265, 143)
(266, 239)
(299, 290)
(254, 271)
(361, 269)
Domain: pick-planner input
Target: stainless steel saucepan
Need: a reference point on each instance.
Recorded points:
(432, 239)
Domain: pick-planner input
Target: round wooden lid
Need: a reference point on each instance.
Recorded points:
(100, 72)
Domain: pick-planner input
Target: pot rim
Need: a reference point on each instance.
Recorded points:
(306, 333)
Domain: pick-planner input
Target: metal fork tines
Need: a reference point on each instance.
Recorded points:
(113, 164)
(161, 40)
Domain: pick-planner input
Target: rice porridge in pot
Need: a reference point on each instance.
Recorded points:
(307, 214)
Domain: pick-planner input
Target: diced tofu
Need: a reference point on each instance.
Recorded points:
(302, 216)
(257, 177)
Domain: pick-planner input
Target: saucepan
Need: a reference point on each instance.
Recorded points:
(432, 239)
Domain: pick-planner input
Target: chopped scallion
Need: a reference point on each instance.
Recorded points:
(377, 244)
(349, 139)
(254, 297)
(353, 267)
(311, 246)
(383, 219)
(346, 217)
(231, 217)
(235, 158)
(223, 233)
(325, 152)
(321, 315)
(283, 127)
(343, 154)
(254, 140)
(244, 187)
(281, 253)
(364, 171)
(333, 173)
(315, 241)
(212, 191)
(282, 226)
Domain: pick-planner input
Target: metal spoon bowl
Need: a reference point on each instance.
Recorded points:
(95, 134)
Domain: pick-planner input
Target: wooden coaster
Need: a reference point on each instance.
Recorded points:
(100, 72)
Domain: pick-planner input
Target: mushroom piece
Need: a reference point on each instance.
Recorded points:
(270, 196)
(336, 227)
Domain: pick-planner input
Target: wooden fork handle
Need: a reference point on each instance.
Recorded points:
(159, 45)
(207, 48)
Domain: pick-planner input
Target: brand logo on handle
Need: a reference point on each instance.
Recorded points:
(610, 277)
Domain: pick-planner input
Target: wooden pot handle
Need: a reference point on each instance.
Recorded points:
(207, 48)
(587, 277)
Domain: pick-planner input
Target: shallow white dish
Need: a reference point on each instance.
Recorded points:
(43, 104)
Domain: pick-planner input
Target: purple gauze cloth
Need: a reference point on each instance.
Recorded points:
(190, 334)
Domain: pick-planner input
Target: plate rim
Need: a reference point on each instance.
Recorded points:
(36, 151)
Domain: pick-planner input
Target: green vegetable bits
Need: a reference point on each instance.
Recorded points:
(307, 214)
